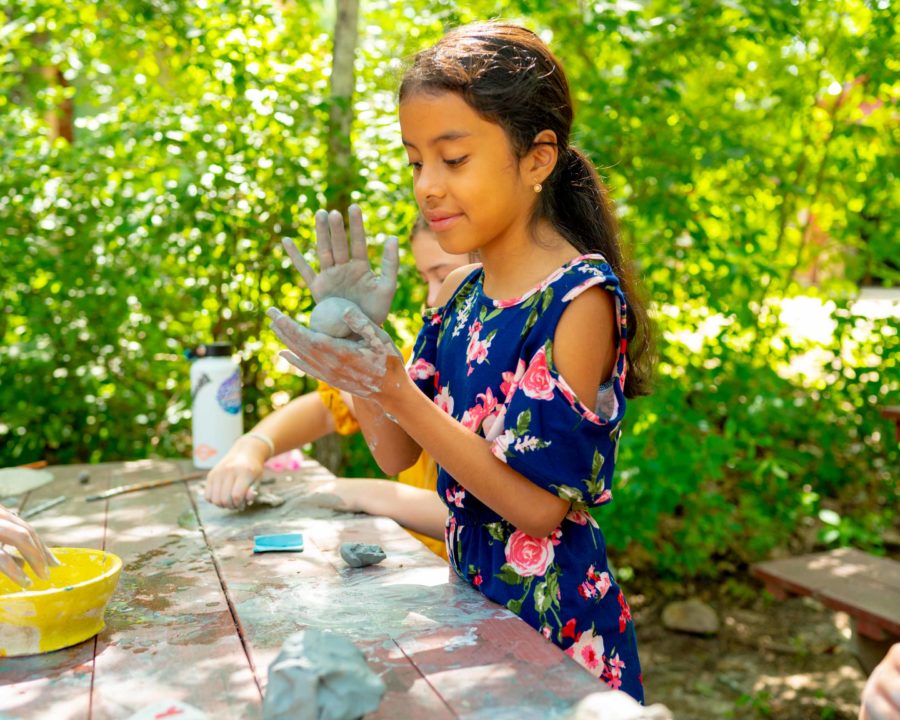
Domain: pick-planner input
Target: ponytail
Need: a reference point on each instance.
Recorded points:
(579, 207)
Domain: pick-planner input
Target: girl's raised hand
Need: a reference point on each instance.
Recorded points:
(344, 274)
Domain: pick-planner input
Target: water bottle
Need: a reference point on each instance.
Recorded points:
(217, 421)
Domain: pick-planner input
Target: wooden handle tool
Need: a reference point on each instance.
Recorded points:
(122, 489)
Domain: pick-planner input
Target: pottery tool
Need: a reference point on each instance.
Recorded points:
(122, 489)
(40, 507)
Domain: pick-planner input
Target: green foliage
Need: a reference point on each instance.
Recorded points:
(751, 148)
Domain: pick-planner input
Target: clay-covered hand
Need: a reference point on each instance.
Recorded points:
(230, 483)
(18, 533)
(346, 275)
(881, 695)
(357, 365)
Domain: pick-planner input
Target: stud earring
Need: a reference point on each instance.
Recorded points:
(538, 187)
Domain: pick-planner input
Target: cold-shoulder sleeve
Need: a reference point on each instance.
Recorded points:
(548, 435)
(421, 364)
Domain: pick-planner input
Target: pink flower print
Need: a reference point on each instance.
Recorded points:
(436, 319)
(603, 584)
(625, 615)
(444, 400)
(529, 556)
(421, 369)
(556, 535)
(537, 383)
(511, 380)
(581, 517)
(477, 351)
(589, 658)
(474, 416)
(501, 444)
(492, 425)
(545, 631)
(475, 328)
(604, 497)
(569, 629)
(613, 681)
(588, 648)
(612, 671)
(587, 590)
(595, 584)
(455, 496)
(477, 580)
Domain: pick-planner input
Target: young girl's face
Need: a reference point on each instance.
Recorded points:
(433, 264)
(467, 181)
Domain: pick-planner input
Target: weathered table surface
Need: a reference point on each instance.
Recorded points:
(197, 617)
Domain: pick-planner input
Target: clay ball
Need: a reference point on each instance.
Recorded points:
(327, 317)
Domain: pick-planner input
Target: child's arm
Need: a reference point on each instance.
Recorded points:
(301, 421)
(416, 508)
(468, 458)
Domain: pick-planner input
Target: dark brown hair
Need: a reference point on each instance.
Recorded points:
(510, 77)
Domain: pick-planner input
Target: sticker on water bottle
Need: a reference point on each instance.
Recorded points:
(229, 394)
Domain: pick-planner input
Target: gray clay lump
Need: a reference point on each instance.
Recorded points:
(359, 555)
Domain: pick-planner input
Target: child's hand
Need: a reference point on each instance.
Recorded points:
(358, 366)
(18, 533)
(348, 276)
(230, 483)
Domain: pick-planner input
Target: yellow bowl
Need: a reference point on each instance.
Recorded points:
(62, 611)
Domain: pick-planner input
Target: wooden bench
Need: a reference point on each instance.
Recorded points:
(864, 586)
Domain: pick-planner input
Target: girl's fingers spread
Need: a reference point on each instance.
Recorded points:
(357, 234)
(10, 568)
(390, 263)
(338, 237)
(323, 240)
(299, 262)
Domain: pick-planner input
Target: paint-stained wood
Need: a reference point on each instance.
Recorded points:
(198, 617)
(865, 586)
(170, 634)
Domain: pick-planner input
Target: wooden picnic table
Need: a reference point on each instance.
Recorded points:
(198, 618)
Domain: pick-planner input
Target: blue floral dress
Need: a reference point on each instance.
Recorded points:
(489, 364)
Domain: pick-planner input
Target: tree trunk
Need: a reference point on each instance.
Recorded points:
(341, 167)
(61, 119)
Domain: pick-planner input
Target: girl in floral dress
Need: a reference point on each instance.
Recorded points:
(518, 380)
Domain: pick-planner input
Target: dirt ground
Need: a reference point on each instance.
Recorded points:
(790, 660)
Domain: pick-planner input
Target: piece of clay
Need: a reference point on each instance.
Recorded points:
(327, 317)
(359, 555)
(14, 481)
(320, 676)
(267, 498)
